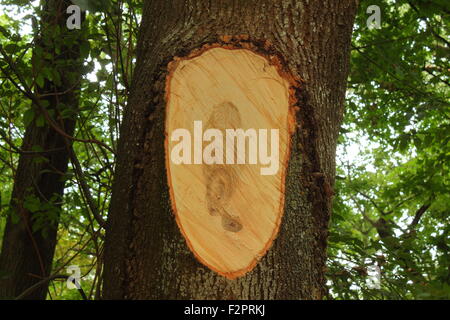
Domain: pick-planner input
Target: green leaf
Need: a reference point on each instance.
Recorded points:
(11, 48)
(28, 116)
(40, 80)
(32, 203)
(40, 121)
(5, 32)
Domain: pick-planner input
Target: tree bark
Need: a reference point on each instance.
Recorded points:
(146, 257)
(27, 249)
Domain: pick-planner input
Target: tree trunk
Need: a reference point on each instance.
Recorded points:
(146, 255)
(29, 243)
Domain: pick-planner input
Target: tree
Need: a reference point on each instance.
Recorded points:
(29, 238)
(145, 253)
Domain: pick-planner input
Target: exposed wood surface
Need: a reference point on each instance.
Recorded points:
(229, 214)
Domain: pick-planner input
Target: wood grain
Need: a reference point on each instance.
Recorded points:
(229, 214)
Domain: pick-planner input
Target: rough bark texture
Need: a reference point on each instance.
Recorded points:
(146, 256)
(27, 254)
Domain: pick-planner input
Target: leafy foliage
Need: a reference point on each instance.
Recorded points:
(393, 195)
(109, 60)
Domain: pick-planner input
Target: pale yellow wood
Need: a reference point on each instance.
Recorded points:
(230, 213)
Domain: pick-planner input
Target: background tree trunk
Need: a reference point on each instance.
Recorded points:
(146, 256)
(28, 249)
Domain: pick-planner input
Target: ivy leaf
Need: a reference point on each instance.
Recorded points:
(28, 116)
